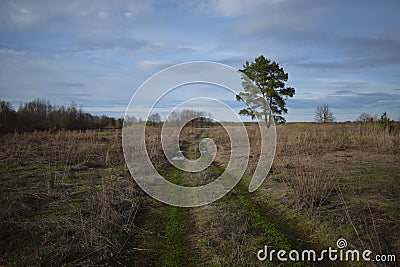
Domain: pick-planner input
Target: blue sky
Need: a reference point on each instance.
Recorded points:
(97, 53)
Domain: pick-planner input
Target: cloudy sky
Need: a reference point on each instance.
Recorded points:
(97, 53)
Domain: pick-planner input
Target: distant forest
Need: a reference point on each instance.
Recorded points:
(40, 115)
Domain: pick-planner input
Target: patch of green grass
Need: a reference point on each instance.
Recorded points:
(390, 207)
(17, 169)
(260, 222)
(6, 169)
(175, 228)
(176, 251)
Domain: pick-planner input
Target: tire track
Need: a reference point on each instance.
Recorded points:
(228, 232)
(162, 232)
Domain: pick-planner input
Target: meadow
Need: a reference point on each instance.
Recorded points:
(68, 199)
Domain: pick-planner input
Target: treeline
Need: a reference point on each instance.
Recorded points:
(200, 118)
(39, 114)
(194, 118)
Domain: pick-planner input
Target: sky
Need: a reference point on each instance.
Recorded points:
(97, 53)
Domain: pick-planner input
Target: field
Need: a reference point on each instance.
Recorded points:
(68, 199)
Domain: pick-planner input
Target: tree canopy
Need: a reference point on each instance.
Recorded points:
(323, 114)
(265, 90)
(364, 117)
(39, 114)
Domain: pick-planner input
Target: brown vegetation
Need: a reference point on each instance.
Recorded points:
(68, 198)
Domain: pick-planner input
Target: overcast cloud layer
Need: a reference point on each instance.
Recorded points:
(96, 53)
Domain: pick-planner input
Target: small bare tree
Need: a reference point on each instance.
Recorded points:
(323, 114)
(364, 117)
(154, 119)
(201, 118)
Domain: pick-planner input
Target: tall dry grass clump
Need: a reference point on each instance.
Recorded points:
(310, 189)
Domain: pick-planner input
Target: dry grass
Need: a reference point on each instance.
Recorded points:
(68, 198)
(310, 189)
(344, 175)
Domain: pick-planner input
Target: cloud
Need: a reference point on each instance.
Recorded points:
(74, 26)
(343, 93)
(374, 47)
(108, 42)
(26, 14)
(106, 109)
(349, 85)
(351, 65)
(152, 65)
(270, 19)
(315, 38)
(348, 99)
(229, 8)
(333, 50)
(5, 52)
(68, 84)
(357, 54)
